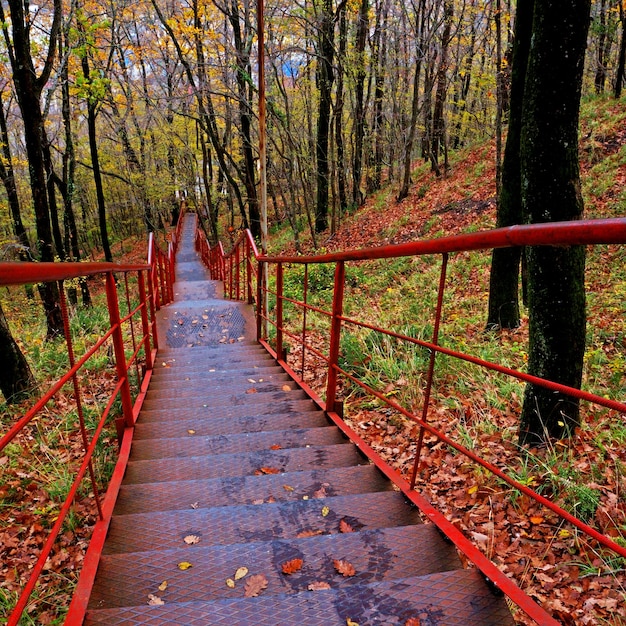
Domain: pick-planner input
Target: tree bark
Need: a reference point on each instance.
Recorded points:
(16, 377)
(359, 108)
(551, 192)
(620, 74)
(504, 309)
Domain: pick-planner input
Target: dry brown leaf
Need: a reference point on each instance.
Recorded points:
(288, 488)
(309, 533)
(320, 493)
(344, 567)
(251, 390)
(154, 600)
(413, 621)
(241, 572)
(254, 585)
(286, 388)
(163, 586)
(190, 540)
(318, 585)
(291, 567)
(270, 500)
(344, 527)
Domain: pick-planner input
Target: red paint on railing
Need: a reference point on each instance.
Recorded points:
(584, 232)
(159, 291)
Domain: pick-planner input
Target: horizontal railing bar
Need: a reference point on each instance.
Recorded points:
(580, 232)
(21, 273)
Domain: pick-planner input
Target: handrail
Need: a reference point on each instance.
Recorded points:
(234, 269)
(133, 332)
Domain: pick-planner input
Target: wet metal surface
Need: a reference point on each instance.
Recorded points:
(232, 465)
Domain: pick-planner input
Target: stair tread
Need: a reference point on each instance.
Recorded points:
(242, 464)
(380, 554)
(259, 522)
(148, 497)
(452, 598)
(198, 445)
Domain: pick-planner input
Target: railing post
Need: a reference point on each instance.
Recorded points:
(145, 324)
(431, 366)
(118, 347)
(260, 302)
(280, 351)
(238, 272)
(335, 336)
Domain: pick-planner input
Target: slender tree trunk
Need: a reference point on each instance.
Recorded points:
(601, 51)
(504, 309)
(339, 103)
(326, 36)
(359, 109)
(551, 192)
(620, 74)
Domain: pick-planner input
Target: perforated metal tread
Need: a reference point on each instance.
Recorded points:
(456, 598)
(203, 426)
(243, 464)
(376, 555)
(198, 445)
(259, 522)
(289, 487)
(215, 377)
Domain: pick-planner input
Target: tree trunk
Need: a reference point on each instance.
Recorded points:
(601, 50)
(359, 109)
(326, 36)
(551, 192)
(504, 309)
(339, 103)
(620, 74)
(16, 378)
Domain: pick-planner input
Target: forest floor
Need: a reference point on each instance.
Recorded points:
(570, 576)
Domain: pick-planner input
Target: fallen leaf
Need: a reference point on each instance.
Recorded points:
(344, 527)
(270, 500)
(413, 621)
(305, 497)
(269, 470)
(349, 622)
(286, 388)
(195, 505)
(181, 321)
(230, 583)
(251, 380)
(154, 600)
(288, 488)
(309, 533)
(291, 567)
(163, 586)
(260, 500)
(325, 511)
(344, 568)
(241, 572)
(251, 390)
(473, 489)
(318, 585)
(275, 447)
(191, 431)
(254, 585)
(321, 492)
(564, 533)
(536, 519)
(190, 540)
(183, 565)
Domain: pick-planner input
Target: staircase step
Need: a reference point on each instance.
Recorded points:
(163, 375)
(195, 445)
(453, 598)
(262, 522)
(245, 410)
(376, 555)
(204, 426)
(242, 464)
(288, 487)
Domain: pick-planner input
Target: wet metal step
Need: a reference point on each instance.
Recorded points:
(288, 487)
(203, 426)
(260, 522)
(376, 555)
(453, 598)
(198, 445)
(243, 464)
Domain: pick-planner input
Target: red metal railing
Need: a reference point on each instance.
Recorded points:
(132, 332)
(236, 270)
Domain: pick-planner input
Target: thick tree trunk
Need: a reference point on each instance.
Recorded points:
(504, 309)
(16, 378)
(551, 192)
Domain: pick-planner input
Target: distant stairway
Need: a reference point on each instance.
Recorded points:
(233, 467)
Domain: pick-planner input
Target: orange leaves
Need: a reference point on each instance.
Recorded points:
(344, 527)
(267, 470)
(344, 567)
(291, 567)
(318, 585)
